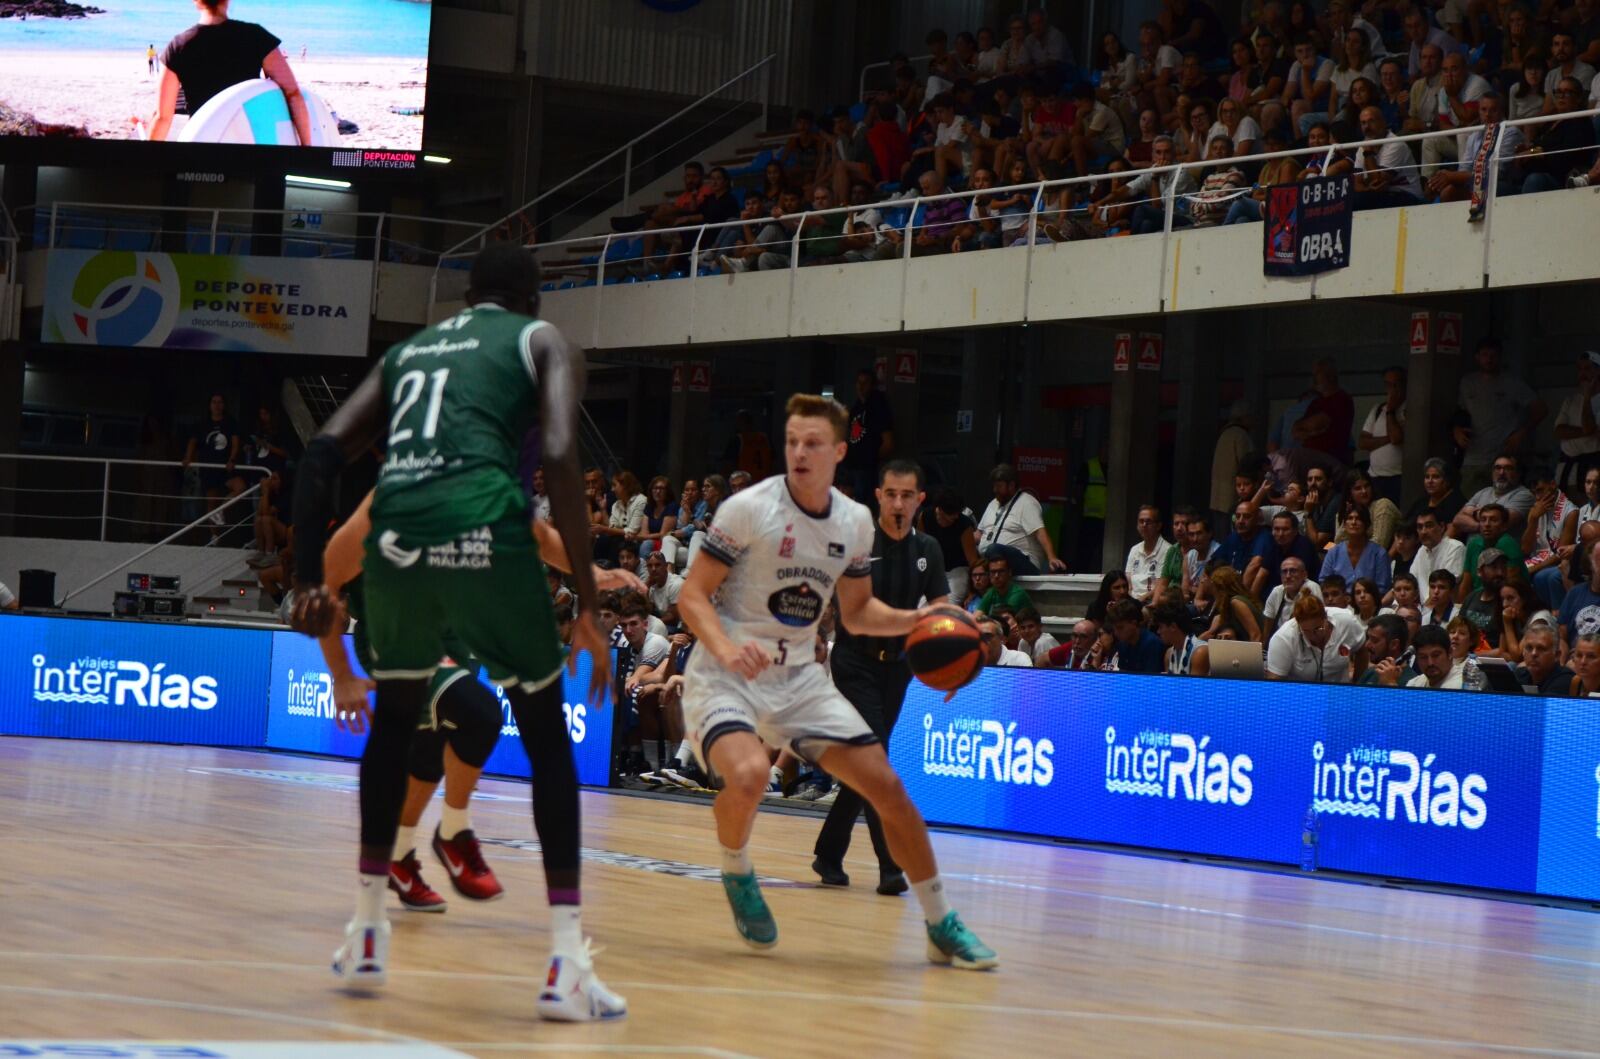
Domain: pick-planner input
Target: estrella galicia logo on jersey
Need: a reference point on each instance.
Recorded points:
(120, 682)
(1177, 765)
(835, 551)
(389, 547)
(986, 749)
(797, 605)
(1385, 784)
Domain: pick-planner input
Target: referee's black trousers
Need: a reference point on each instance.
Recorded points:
(877, 690)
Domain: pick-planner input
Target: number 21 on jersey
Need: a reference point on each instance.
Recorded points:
(407, 392)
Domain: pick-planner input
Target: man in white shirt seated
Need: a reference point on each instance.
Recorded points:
(1438, 552)
(1035, 642)
(1013, 525)
(1385, 176)
(1146, 558)
(1432, 650)
(995, 651)
(1320, 645)
(1285, 594)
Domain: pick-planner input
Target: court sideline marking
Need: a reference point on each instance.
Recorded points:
(1215, 1025)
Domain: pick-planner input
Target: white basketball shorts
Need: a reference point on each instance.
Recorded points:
(787, 706)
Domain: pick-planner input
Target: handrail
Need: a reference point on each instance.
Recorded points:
(383, 220)
(159, 544)
(626, 148)
(1043, 185)
(861, 94)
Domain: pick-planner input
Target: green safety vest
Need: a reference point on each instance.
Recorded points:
(1094, 494)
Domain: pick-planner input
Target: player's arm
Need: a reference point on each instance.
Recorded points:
(554, 554)
(353, 428)
(706, 575)
(561, 376)
(866, 615)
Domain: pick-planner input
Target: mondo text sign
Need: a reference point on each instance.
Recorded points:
(210, 302)
(1307, 227)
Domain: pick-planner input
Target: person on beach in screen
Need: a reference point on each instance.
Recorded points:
(216, 54)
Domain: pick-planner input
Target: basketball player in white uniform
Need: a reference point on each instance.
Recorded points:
(772, 559)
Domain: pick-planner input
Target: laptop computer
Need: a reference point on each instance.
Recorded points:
(1499, 675)
(1236, 658)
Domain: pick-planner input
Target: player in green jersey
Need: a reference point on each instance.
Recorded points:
(450, 549)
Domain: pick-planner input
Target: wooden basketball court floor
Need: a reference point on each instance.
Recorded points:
(187, 894)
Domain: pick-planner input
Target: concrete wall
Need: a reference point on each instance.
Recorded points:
(76, 563)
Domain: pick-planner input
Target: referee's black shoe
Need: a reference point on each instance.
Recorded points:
(892, 883)
(830, 874)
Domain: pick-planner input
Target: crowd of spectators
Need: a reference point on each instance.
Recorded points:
(1011, 106)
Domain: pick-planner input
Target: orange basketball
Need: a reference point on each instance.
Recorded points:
(945, 649)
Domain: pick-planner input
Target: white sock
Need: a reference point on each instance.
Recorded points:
(935, 905)
(405, 840)
(685, 753)
(453, 821)
(673, 749)
(736, 861)
(566, 928)
(369, 898)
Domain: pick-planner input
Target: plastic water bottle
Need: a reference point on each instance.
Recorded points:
(1308, 839)
(1472, 675)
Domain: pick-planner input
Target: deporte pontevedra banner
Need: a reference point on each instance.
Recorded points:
(205, 301)
(1307, 227)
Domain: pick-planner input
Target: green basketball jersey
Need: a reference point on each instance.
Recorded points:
(356, 603)
(462, 395)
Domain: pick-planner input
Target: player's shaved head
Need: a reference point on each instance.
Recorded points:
(505, 273)
(811, 405)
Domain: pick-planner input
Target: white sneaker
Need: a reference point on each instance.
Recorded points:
(363, 959)
(774, 784)
(574, 993)
(830, 797)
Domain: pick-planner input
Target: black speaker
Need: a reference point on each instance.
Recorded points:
(36, 589)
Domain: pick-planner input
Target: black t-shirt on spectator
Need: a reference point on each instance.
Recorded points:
(719, 208)
(208, 59)
(258, 455)
(948, 538)
(869, 421)
(1562, 146)
(1213, 37)
(213, 440)
(1445, 511)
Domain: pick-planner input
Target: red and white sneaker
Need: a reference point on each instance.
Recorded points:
(405, 879)
(463, 859)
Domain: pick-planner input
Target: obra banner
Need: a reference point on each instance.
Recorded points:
(204, 301)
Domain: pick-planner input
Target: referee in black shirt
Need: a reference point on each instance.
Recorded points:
(872, 672)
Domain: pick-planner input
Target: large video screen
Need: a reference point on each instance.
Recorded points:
(313, 73)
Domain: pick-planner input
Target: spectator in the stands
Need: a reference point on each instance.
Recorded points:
(1156, 67)
(1020, 54)
(1383, 436)
(713, 491)
(1237, 611)
(1437, 668)
(1247, 541)
(216, 441)
(1366, 599)
(1052, 44)
(992, 635)
(1481, 606)
(1323, 505)
(719, 206)
(1113, 587)
(1386, 644)
(1556, 148)
(1438, 551)
(1335, 590)
(739, 244)
(1320, 645)
(978, 588)
(1585, 663)
(1439, 493)
(772, 238)
(1098, 132)
(1146, 192)
(1520, 612)
(685, 208)
(983, 230)
(1292, 584)
(1385, 516)
(1325, 427)
(1548, 538)
(1580, 609)
(1264, 572)
(1503, 412)
(1185, 654)
(1493, 535)
(1233, 444)
(1358, 555)
(690, 508)
(1134, 648)
(1083, 652)
(805, 153)
(1459, 92)
(1564, 63)
(1003, 588)
(626, 518)
(1356, 65)
(1218, 187)
(1394, 93)
(1440, 608)
(946, 521)
(1310, 81)
(660, 517)
(936, 223)
(1506, 490)
(1540, 666)
(1146, 558)
(1013, 525)
(663, 587)
(1577, 428)
(1034, 641)
(871, 438)
(1193, 140)
(1405, 591)
(1456, 184)
(1427, 80)
(1385, 176)
(1525, 98)
(1200, 547)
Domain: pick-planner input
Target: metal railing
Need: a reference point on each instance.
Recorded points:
(64, 497)
(598, 265)
(8, 272)
(353, 235)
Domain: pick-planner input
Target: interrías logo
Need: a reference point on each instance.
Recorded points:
(577, 715)
(1386, 784)
(984, 749)
(120, 682)
(1177, 765)
(311, 695)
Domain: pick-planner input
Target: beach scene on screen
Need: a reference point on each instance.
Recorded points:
(99, 70)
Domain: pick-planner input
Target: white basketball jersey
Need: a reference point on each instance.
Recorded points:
(784, 565)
